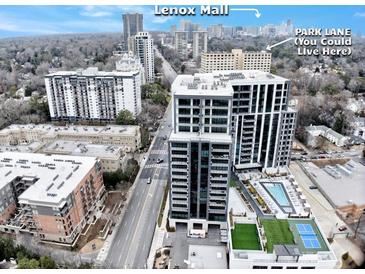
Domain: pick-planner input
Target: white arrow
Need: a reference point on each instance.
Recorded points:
(277, 44)
(257, 13)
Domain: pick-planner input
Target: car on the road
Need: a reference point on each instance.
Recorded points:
(159, 161)
(342, 228)
(149, 180)
(313, 187)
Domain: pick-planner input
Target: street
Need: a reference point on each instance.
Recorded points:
(133, 239)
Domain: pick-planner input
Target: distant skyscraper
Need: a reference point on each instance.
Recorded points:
(132, 24)
(142, 46)
(181, 43)
(173, 28)
(200, 43)
(189, 27)
(215, 31)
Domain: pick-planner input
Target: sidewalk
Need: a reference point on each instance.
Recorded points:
(159, 236)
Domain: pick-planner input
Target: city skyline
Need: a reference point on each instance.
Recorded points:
(43, 20)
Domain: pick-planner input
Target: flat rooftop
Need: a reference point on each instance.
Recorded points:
(294, 232)
(236, 205)
(219, 83)
(93, 72)
(57, 175)
(82, 149)
(31, 147)
(346, 189)
(49, 129)
(207, 257)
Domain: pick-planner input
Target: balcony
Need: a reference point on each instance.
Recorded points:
(179, 202)
(217, 198)
(179, 177)
(181, 196)
(179, 183)
(179, 209)
(217, 204)
(216, 191)
(217, 211)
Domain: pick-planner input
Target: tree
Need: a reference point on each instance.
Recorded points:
(145, 137)
(182, 69)
(158, 64)
(160, 99)
(7, 249)
(28, 91)
(339, 124)
(47, 262)
(125, 117)
(130, 170)
(26, 263)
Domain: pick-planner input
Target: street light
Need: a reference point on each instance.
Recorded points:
(358, 223)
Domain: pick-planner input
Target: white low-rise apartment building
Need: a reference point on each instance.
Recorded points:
(334, 137)
(91, 94)
(235, 60)
(111, 157)
(359, 127)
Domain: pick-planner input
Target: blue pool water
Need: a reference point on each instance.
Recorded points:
(278, 192)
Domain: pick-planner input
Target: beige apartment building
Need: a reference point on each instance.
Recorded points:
(235, 60)
(127, 137)
(111, 157)
(49, 196)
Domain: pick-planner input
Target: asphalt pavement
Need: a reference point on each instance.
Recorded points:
(132, 242)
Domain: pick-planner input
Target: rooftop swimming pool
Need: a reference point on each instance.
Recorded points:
(278, 192)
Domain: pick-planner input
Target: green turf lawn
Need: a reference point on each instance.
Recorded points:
(277, 232)
(244, 236)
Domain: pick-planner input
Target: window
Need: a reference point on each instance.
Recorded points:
(308, 267)
(220, 103)
(217, 112)
(184, 128)
(196, 102)
(276, 267)
(184, 120)
(184, 102)
(259, 267)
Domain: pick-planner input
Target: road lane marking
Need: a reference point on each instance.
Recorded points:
(139, 219)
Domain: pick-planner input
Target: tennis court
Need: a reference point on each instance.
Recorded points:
(308, 236)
